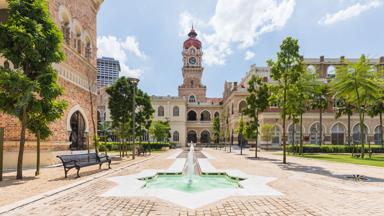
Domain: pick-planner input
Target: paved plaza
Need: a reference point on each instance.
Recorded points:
(309, 187)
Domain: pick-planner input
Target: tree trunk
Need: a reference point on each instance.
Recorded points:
(321, 127)
(94, 126)
(19, 174)
(38, 154)
(293, 135)
(301, 135)
(133, 122)
(257, 133)
(284, 141)
(381, 129)
(349, 130)
(361, 116)
(230, 145)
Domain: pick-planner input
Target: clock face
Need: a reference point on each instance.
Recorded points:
(192, 60)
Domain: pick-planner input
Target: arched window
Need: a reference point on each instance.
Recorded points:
(337, 134)
(377, 136)
(192, 99)
(275, 135)
(192, 84)
(88, 48)
(331, 71)
(205, 137)
(192, 116)
(242, 106)
(77, 43)
(205, 116)
(217, 114)
(175, 136)
(356, 134)
(6, 65)
(314, 133)
(176, 111)
(160, 111)
(294, 134)
(311, 69)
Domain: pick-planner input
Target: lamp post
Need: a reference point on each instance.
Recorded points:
(134, 82)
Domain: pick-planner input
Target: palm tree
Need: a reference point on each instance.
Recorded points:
(345, 108)
(359, 85)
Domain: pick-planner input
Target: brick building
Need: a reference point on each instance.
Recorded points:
(77, 74)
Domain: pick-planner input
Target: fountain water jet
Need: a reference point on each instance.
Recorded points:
(190, 164)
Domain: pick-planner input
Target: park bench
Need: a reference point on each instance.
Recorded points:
(83, 160)
(143, 150)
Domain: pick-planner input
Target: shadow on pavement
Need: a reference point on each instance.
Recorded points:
(321, 171)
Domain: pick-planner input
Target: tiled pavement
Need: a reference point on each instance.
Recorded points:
(302, 197)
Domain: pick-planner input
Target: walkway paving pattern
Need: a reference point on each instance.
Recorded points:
(310, 187)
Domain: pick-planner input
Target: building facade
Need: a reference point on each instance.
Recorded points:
(334, 130)
(195, 111)
(77, 75)
(200, 110)
(108, 70)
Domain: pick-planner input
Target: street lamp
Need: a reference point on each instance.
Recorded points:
(134, 82)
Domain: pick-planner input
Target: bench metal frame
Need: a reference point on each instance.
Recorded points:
(99, 161)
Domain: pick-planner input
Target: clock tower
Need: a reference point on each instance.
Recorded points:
(192, 89)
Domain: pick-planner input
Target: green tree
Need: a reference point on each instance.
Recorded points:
(216, 129)
(286, 70)
(160, 130)
(359, 85)
(377, 107)
(257, 102)
(241, 130)
(320, 102)
(120, 102)
(32, 42)
(266, 133)
(144, 113)
(306, 86)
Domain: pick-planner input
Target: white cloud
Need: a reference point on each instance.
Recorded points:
(351, 11)
(249, 55)
(238, 23)
(110, 46)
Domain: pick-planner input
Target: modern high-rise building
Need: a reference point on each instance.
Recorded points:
(108, 70)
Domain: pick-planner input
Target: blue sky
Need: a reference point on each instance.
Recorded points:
(147, 35)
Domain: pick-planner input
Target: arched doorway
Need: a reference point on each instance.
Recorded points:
(356, 134)
(191, 137)
(314, 133)
(205, 137)
(275, 135)
(76, 136)
(338, 134)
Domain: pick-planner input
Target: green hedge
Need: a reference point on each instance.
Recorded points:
(336, 149)
(115, 146)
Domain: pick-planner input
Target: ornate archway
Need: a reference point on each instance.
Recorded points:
(205, 137)
(192, 137)
(77, 135)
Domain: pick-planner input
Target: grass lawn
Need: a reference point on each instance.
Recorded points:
(376, 160)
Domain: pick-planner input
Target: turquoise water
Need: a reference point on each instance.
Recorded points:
(200, 183)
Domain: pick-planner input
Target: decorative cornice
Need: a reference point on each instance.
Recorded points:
(97, 3)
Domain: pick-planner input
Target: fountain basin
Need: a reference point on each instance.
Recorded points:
(204, 182)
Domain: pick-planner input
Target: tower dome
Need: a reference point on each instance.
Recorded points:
(192, 40)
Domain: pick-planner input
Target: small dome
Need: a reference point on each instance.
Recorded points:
(192, 41)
